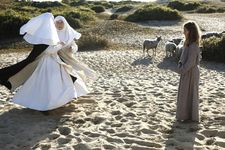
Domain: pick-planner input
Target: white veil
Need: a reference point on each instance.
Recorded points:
(67, 34)
(40, 30)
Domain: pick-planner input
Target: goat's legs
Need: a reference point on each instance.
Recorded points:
(155, 52)
(144, 50)
(148, 52)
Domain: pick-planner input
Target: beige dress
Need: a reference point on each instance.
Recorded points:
(188, 96)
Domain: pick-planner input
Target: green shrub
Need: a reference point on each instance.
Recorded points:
(66, 1)
(114, 16)
(152, 12)
(210, 9)
(213, 49)
(46, 4)
(39, 4)
(205, 9)
(77, 18)
(86, 9)
(5, 4)
(27, 9)
(79, 3)
(98, 9)
(90, 4)
(74, 22)
(10, 23)
(102, 3)
(184, 5)
(124, 9)
(126, 2)
(92, 42)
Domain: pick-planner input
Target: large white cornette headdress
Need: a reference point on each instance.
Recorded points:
(40, 30)
(67, 34)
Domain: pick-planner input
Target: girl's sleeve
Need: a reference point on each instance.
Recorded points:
(191, 60)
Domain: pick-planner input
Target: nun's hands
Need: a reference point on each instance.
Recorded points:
(70, 49)
(62, 43)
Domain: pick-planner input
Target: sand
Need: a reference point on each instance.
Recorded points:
(131, 106)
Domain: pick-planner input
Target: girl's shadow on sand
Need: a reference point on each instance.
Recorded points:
(24, 128)
(145, 60)
(168, 63)
(182, 136)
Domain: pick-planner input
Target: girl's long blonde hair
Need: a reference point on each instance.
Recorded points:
(194, 33)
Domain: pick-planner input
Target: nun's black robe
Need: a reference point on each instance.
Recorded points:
(6, 73)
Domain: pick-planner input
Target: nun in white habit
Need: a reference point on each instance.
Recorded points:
(67, 35)
(50, 85)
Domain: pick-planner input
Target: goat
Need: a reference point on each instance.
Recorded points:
(170, 48)
(151, 44)
(179, 49)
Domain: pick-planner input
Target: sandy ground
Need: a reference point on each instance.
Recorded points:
(131, 106)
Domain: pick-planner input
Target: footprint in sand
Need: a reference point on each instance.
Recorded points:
(108, 130)
(220, 143)
(130, 104)
(210, 141)
(138, 147)
(122, 100)
(118, 117)
(109, 146)
(116, 125)
(200, 136)
(116, 112)
(81, 146)
(63, 140)
(114, 140)
(79, 121)
(130, 114)
(45, 146)
(116, 95)
(64, 130)
(148, 131)
(92, 134)
(209, 133)
(54, 136)
(142, 142)
(98, 120)
(221, 134)
(123, 120)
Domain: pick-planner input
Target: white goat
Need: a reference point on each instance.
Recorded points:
(179, 49)
(151, 44)
(170, 48)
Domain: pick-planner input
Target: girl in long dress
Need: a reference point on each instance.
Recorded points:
(188, 67)
(67, 35)
(50, 85)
